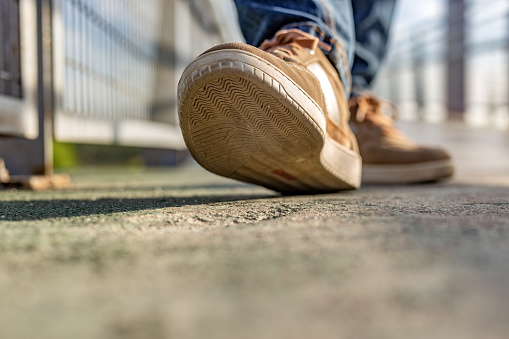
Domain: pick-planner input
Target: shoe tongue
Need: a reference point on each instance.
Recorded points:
(294, 38)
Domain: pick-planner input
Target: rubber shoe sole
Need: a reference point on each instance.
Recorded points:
(407, 173)
(243, 118)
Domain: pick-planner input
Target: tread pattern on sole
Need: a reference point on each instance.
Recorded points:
(246, 127)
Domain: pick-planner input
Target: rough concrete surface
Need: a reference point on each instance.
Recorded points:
(181, 253)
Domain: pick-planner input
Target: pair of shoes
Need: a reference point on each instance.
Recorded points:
(276, 116)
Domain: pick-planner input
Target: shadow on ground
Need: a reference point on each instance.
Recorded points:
(434, 195)
(26, 210)
(153, 187)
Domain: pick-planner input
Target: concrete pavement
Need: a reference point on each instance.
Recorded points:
(184, 254)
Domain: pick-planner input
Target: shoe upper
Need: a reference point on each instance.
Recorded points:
(298, 55)
(380, 142)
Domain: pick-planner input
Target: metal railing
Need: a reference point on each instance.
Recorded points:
(98, 72)
(18, 68)
(415, 73)
(116, 65)
(10, 56)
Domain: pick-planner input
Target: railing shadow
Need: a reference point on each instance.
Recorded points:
(26, 210)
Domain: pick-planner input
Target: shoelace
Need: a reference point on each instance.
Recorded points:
(381, 113)
(288, 41)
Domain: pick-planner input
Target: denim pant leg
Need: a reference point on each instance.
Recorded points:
(372, 23)
(329, 20)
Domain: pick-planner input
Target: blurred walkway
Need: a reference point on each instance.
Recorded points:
(180, 253)
(481, 155)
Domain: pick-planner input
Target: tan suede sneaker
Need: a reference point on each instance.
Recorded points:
(276, 118)
(388, 157)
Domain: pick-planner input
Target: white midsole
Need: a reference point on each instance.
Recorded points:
(341, 161)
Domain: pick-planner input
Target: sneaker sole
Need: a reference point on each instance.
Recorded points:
(407, 174)
(243, 118)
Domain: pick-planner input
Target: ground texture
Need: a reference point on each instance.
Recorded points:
(184, 254)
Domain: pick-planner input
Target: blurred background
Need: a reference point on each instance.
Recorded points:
(94, 81)
(448, 60)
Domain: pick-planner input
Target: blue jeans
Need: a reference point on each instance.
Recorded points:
(357, 30)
